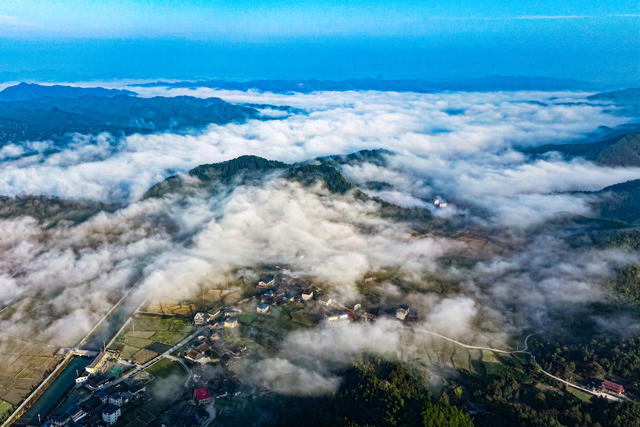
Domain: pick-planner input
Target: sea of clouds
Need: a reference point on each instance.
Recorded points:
(458, 146)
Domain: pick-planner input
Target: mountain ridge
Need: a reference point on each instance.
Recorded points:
(400, 85)
(53, 118)
(30, 91)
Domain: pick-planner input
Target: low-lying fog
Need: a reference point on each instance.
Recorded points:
(457, 146)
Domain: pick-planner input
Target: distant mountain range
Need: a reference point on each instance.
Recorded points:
(31, 91)
(406, 85)
(629, 95)
(627, 99)
(36, 112)
(619, 149)
(607, 146)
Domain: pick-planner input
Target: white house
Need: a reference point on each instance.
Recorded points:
(82, 378)
(401, 312)
(110, 414)
(116, 399)
(266, 282)
(326, 302)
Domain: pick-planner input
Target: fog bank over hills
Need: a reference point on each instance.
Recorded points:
(457, 139)
(494, 215)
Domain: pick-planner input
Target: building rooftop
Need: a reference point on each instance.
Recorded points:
(201, 394)
(612, 386)
(110, 409)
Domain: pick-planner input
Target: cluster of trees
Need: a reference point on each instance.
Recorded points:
(50, 209)
(251, 169)
(373, 392)
(593, 360)
(310, 174)
(376, 392)
(626, 282)
(523, 397)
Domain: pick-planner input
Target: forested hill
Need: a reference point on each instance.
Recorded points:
(621, 201)
(245, 170)
(627, 100)
(53, 117)
(30, 91)
(622, 149)
(609, 147)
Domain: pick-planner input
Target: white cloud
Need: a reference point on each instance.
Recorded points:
(468, 153)
(64, 278)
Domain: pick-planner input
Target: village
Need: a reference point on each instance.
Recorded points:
(117, 385)
(204, 347)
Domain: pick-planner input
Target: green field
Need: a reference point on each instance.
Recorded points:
(146, 329)
(585, 397)
(5, 409)
(489, 356)
(461, 359)
(247, 318)
(165, 368)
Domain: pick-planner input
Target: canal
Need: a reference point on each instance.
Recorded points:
(55, 392)
(111, 325)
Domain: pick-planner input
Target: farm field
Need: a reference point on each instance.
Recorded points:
(138, 343)
(5, 410)
(24, 365)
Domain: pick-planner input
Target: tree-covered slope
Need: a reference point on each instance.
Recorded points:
(249, 169)
(50, 209)
(620, 150)
(53, 117)
(620, 201)
(627, 100)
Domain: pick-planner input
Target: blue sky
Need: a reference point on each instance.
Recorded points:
(592, 40)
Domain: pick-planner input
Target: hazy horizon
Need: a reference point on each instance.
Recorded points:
(79, 40)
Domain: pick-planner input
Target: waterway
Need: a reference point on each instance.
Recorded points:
(111, 325)
(55, 392)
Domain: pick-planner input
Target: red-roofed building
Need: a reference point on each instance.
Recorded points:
(202, 396)
(612, 387)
